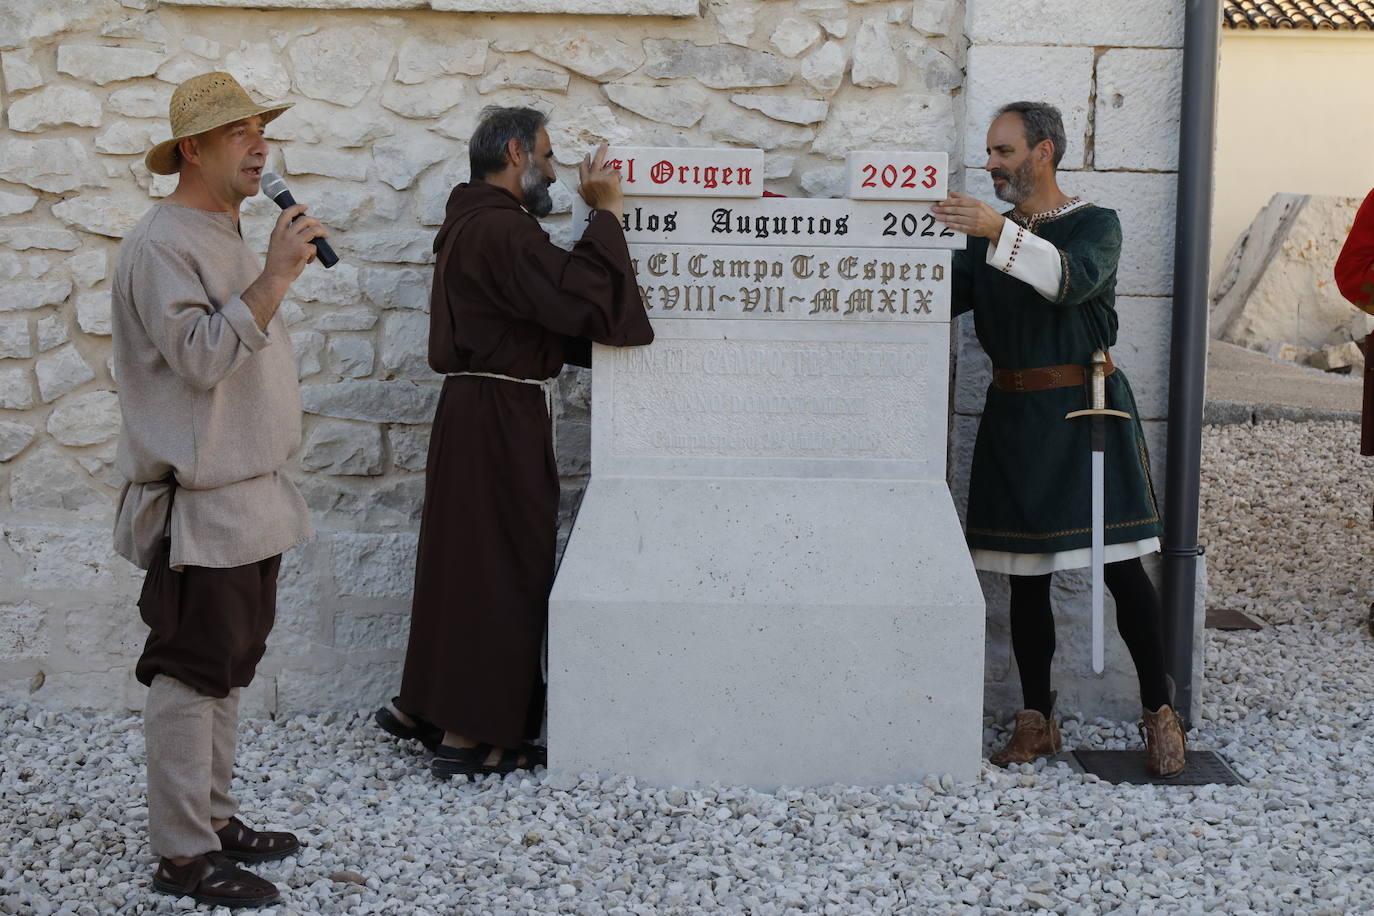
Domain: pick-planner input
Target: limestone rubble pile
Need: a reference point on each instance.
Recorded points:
(1276, 292)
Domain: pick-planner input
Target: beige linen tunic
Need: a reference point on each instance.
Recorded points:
(205, 395)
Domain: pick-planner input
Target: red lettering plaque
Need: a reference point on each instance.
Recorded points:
(688, 172)
(880, 175)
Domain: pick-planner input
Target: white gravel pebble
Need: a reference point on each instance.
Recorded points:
(1289, 706)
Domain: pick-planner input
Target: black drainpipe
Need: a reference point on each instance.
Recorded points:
(1188, 354)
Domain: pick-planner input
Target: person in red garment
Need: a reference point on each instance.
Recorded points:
(1355, 266)
(1355, 279)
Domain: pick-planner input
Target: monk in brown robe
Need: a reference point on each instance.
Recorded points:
(508, 310)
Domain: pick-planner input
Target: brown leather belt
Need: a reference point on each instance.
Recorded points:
(1043, 378)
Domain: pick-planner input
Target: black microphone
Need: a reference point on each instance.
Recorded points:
(274, 187)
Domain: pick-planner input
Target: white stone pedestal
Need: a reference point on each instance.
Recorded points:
(767, 583)
(766, 632)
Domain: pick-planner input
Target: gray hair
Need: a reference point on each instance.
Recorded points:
(1042, 122)
(497, 127)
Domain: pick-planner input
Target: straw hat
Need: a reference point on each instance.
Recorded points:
(203, 103)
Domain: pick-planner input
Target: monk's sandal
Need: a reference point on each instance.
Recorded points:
(472, 761)
(239, 841)
(213, 880)
(428, 735)
(1165, 744)
(1034, 736)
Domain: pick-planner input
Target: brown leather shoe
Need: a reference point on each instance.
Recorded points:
(213, 880)
(1164, 742)
(1035, 736)
(239, 841)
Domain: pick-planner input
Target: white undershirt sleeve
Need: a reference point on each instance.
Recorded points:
(1029, 258)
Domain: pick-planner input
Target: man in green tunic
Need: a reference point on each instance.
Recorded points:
(1041, 281)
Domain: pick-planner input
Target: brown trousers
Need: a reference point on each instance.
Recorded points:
(209, 626)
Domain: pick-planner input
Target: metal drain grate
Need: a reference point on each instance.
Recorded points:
(1202, 768)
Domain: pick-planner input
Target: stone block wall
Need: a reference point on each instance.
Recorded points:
(1114, 69)
(386, 93)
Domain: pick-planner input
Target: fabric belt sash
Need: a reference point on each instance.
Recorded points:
(1043, 378)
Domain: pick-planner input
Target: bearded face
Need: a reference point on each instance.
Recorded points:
(1014, 186)
(534, 184)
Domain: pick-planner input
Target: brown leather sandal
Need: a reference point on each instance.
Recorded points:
(428, 735)
(472, 761)
(213, 880)
(239, 841)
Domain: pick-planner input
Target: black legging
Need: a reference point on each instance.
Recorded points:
(1137, 618)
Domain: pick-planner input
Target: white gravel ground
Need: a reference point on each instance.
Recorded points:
(1290, 706)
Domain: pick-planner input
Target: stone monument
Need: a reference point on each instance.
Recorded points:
(767, 583)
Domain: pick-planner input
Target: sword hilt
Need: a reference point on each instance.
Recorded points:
(1097, 391)
(1099, 381)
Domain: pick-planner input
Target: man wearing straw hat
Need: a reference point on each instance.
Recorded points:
(211, 413)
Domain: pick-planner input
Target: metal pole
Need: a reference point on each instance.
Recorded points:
(1188, 356)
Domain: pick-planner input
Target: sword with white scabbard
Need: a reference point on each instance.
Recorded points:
(1099, 413)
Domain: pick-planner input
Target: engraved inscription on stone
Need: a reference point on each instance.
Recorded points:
(764, 399)
(769, 221)
(792, 283)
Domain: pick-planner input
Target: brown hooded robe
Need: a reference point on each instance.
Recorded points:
(505, 300)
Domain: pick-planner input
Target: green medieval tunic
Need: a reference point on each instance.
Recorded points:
(1045, 296)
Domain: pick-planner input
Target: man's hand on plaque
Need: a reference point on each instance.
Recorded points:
(970, 216)
(599, 184)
